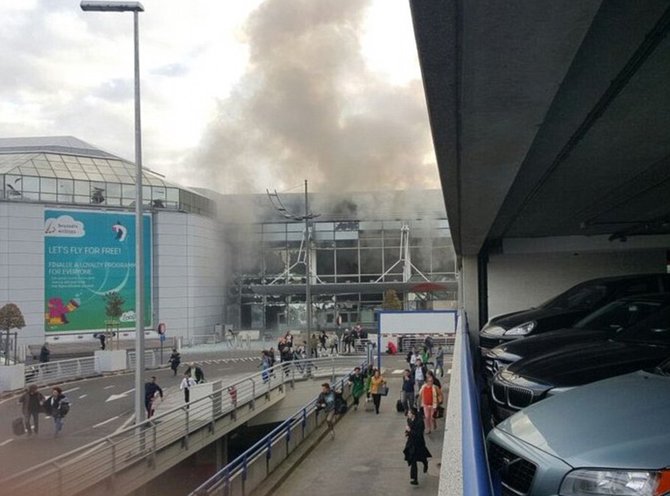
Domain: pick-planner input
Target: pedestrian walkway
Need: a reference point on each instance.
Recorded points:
(366, 455)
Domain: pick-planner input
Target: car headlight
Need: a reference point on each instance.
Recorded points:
(522, 329)
(584, 482)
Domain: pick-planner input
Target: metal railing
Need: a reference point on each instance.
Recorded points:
(267, 453)
(41, 374)
(100, 461)
(152, 359)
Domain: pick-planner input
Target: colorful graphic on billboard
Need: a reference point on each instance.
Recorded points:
(89, 265)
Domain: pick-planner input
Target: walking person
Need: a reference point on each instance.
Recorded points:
(57, 405)
(151, 390)
(174, 361)
(31, 403)
(102, 339)
(357, 382)
(186, 384)
(265, 366)
(326, 402)
(415, 447)
(377, 384)
(439, 361)
(323, 339)
(407, 390)
(429, 402)
(420, 371)
(332, 344)
(44, 353)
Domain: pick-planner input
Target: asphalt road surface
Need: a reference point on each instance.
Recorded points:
(100, 406)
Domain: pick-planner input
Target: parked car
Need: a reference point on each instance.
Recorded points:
(607, 438)
(537, 377)
(604, 323)
(568, 308)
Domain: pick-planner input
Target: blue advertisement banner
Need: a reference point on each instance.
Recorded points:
(89, 265)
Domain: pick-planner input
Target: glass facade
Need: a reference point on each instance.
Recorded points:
(87, 180)
(272, 254)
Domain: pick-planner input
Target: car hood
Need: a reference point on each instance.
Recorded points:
(544, 342)
(619, 422)
(582, 363)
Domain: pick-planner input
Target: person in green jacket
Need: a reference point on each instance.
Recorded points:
(357, 383)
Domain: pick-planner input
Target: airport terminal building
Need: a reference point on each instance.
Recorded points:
(67, 232)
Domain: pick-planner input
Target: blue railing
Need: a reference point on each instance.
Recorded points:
(223, 478)
(476, 477)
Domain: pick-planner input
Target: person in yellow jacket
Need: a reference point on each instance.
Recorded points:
(377, 389)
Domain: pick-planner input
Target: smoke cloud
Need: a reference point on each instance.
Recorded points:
(308, 107)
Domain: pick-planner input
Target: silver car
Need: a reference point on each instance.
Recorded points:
(610, 437)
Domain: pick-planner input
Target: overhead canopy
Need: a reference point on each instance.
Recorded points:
(549, 117)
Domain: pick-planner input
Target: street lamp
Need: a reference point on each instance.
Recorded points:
(135, 8)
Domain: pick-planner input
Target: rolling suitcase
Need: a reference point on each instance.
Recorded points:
(18, 427)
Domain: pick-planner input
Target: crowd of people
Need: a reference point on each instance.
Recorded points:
(421, 400)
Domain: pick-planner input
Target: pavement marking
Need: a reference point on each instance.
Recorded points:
(83, 396)
(449, 371)
(118, 396)
(398, 371)
(6, 442)
(109, 387)
(71, 390)
(105, 422)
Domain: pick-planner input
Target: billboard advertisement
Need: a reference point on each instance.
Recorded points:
(89, 265)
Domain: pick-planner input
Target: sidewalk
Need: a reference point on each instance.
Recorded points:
(366, 455)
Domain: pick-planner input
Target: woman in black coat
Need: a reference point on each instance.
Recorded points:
(415, 448)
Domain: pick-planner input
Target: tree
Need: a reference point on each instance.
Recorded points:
(10, 318)
(114, 305)
(391, 301)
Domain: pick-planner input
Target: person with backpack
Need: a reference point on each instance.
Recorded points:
(57, 406)
(326, 402)
(174, 361)
(31, 404)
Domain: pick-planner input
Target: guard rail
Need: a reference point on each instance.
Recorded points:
(100, 461)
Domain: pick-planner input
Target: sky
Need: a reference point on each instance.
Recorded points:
(236, 96)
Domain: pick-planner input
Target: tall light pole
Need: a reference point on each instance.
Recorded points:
(135, 8)
(277, 203)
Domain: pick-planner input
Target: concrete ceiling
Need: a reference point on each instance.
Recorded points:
(549, 117)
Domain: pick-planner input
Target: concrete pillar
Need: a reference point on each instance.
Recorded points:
(222, 452)
(469, 292)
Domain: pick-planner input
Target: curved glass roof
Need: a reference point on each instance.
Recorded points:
(65, 169)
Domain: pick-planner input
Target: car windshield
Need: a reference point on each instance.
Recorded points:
(620, 315)
(582, 297)
(654, 330)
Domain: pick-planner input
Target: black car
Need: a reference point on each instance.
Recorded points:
(568, 308)
(536, 377)
(604, 323)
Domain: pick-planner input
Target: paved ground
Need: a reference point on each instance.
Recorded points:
(366, 455)
(100, 406)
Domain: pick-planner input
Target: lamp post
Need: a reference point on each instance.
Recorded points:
(135, 8)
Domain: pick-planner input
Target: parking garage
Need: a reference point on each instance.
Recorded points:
(549, 121)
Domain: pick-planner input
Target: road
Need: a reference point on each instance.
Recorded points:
(100, 406)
